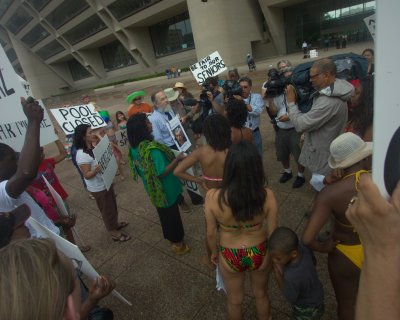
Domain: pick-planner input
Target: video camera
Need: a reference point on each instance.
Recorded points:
(231, 88)
(276, 83)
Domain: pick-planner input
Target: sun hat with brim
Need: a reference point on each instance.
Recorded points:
(179, 85)
(134, 95)
(9, 221)
(348, 149)
(171, 94)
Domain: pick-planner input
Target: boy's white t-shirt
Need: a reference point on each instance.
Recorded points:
(8, 204)
(95, 184)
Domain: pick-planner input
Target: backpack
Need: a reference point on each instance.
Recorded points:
(349, 66)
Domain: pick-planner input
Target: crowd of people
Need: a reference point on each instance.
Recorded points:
(333, 141)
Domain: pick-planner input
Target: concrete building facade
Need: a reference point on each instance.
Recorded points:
(59, 46)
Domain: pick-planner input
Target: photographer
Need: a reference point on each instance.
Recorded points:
(214, 95)
(287, 139)
(254, 105)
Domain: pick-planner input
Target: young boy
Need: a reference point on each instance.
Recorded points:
(294, 268)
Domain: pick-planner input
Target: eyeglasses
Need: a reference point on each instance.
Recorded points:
(315, 75)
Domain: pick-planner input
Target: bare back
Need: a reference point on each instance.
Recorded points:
(212, 164)
(241, 134)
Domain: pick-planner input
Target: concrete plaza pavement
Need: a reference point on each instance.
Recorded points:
(160, 284)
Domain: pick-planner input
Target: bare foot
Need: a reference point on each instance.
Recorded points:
(207, 262)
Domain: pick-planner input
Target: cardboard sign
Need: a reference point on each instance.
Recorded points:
(57, 198)
(189, 185)
(208, 67)
(370, 23)
(122, 138)
(103, 153)
(72, 252)
(178, 134)
(386, 153)
(69, 118)
(13, 122)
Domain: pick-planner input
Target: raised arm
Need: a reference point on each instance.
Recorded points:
(29, 158)
(62, 153)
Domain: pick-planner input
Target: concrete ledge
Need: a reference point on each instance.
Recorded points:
(104, 88)
(129, 83)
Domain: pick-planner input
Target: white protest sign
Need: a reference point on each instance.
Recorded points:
(57, 198)
(103, 153)
(386, 153)
(210, 66)
(13, 122)
(370, 23)
(122, 138)
(72, 252)
(178, 134)
(189, 185)
(69, 118)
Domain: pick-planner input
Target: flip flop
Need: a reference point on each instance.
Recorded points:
(122, 225)
(121, 238)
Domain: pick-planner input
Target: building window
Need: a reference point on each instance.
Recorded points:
(37, 34)
(115, 56)
(66, 11)
(2, 42)
(50, 50)
(18, 69)
(4, 4)
(85, 29)
(38, 4)
(18, 20)
(172, 35)
(122, 9)
(12, 56)
(78, 72)
(349, 11)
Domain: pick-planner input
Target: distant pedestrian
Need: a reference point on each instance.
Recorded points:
(304, 46)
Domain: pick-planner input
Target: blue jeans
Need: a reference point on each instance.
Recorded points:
(258, 141)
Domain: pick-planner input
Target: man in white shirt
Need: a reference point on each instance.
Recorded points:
(17, 174)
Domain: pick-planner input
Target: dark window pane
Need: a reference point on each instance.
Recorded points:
(115, 56)
(4, 4)
(18, 20)
(18, 69)
(38, 4)
(50, 50)
(172, 35)
(65, 12)
(37, 34)
(85, 29)
(78, 71)
(123, 8)
(11, 55)
(2, 42)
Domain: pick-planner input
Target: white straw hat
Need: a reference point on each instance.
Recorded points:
(179, 85)
(171, 94)
(348, 149)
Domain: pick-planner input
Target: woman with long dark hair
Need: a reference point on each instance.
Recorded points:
(236, 113)
(121, 120)
(240, 216)
(84, 138)
(154, 163)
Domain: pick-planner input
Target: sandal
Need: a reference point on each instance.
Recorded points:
(180, 251)
(122, 225)
(121, 238)
(91, 196)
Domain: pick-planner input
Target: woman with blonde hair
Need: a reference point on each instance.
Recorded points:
(37, 283)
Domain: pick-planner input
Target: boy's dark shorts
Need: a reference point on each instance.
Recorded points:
(287, 141)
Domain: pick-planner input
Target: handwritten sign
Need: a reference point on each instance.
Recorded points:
(370, 23)
(69, 118)
(72, 252)
(122, 138)
(189, 185)
(104, 156)
(178, 134)
(208, 67)
(13, 122)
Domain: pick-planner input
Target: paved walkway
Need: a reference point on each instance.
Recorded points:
(159, 284)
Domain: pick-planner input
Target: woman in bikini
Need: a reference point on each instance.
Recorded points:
(121, 120)
(345, 254)
(240, 216)
(210, 156)
(236, 113)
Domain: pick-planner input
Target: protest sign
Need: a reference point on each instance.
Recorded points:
(69, 118)
(370, 23)
(13, 122)
(122, 138)
(178, 134)
(210, 66)
(103, 153)
(72, 252)
(57, 198)
(189, 185)
(386, 153)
